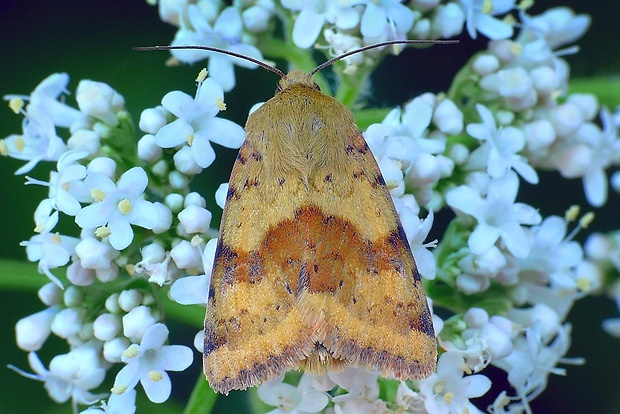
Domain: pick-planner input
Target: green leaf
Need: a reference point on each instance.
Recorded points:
(202, 399)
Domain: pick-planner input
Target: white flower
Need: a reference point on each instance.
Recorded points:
(313, 14)
(148, 363)
(66, 186)
(499, 149)
(191, 290)
(197, 125)
(552, 256)
(448, 391)
(256, 17)
(532, 360)
(220, 195)
(50, 250)
(117, 404)
(359, 382)
(99, 100)
(447, 21)
(498, 216)
(295, 400)
(45, 218)
(386, 14)
(479, 269)
(226, 33)
(38, 141)
(558, 26)
(118, 206)
(479, 15)
(605, 152)
(46, 97)
(70, 376)
(417, 230)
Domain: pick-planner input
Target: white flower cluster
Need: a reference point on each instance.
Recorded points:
(334, 26)
(106, 309)
(503, 277)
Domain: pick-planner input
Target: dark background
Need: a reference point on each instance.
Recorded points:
(93, 40)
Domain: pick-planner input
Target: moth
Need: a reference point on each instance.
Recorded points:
(312, 269)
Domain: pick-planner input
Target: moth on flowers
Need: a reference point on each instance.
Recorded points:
(312, 269)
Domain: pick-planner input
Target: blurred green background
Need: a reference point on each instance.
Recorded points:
(93, 40)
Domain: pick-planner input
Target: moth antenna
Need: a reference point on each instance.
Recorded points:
(213, 49)
(375, 45)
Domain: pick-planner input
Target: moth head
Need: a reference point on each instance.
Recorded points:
(296, 77)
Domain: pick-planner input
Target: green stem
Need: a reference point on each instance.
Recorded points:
(606, 89)
(203, 398)
(20, 275)
(350, 87)
(189, 315)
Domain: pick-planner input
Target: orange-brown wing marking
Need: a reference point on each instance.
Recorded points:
(364, 295)
(253, 328)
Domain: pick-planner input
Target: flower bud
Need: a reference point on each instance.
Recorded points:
(50, 294)
(106, 327)
(148, 150)
(186, 256)
(152, 119)
(113, 349)
(184, 161)
(485, 64)
(104, 165)
(32, 331)
(195, 219)
(66, 323)
(129, 299)
(136, 322)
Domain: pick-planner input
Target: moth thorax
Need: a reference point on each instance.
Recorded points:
(296, 77)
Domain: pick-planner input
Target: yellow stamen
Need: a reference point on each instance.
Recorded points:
(220, 104)
(97, 195)
(125, 206)
(586, 220)
(202, 75)
(118, 390)
(16, 104)
(155, 375)
(131, 352)
(487, 6)
(19, 143)
(516, 48)
(572, 213)
(584, 284)
(103, 231)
